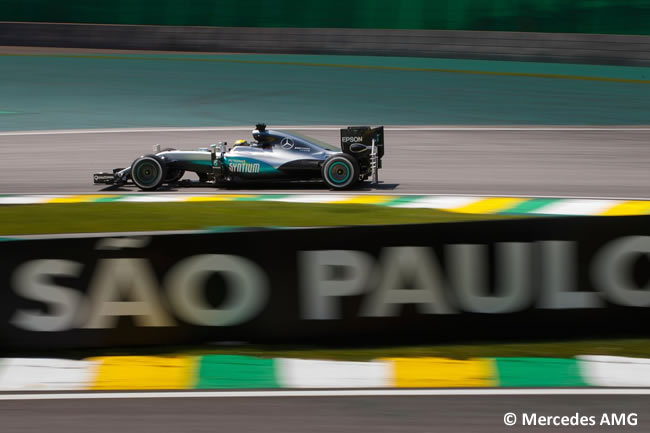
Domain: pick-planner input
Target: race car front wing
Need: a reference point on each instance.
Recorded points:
(119, 176)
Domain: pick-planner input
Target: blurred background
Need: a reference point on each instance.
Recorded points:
(625, 17)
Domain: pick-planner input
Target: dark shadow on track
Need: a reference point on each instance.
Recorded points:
(316, 186)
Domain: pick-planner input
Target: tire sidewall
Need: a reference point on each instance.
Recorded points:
(351, 166)
(158, 179)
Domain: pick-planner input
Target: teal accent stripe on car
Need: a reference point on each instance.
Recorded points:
(201, 162)
(243, 165)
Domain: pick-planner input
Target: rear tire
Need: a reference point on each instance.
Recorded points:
(340, 171)
(148, 172)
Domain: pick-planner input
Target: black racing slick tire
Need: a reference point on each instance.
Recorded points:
(148, 172)
(340, 171)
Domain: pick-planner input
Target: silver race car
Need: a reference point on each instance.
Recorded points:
(273, 155)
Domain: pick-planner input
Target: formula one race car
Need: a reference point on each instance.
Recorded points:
(273, 155)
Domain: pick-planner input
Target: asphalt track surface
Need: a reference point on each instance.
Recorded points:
(403, 414)
(532, 161)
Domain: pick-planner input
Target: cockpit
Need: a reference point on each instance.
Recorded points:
(283, 140)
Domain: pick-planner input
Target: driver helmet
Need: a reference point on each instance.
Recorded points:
(241, 143)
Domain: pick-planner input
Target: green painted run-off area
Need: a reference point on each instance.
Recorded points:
(101, 91)
(538, 372)
(564, 16)
(235, 371)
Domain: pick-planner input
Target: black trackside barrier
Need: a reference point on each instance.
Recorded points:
(499, 280)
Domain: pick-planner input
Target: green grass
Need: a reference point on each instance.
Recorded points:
(123, 217)
(632, 347)
(566, 349)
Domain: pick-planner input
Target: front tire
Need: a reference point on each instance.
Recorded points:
(340, 171)
(148, 172)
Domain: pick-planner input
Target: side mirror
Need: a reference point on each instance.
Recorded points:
(156, 148)
(221, 147)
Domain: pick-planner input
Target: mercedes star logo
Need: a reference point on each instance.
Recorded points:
(286, 143)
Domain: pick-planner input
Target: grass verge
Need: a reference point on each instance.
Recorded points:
(631, 347)
(567, 349)
(124, 217)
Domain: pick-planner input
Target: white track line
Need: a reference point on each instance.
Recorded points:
(577, 207)
(317, 128)
(313, 198)
(92, 395)
(441, 202)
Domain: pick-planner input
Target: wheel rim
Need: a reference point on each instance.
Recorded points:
(339, 172)
(147, 173)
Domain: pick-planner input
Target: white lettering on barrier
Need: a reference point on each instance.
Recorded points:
(116, 280)
(612, 271)
(247, 289)
(132, 279)
(558, 279)
(468, 271)
(320, 290)
(407, 275)
(402, 275)
(33, 280)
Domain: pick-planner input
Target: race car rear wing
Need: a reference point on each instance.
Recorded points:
(358, 141)
(366, 145)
